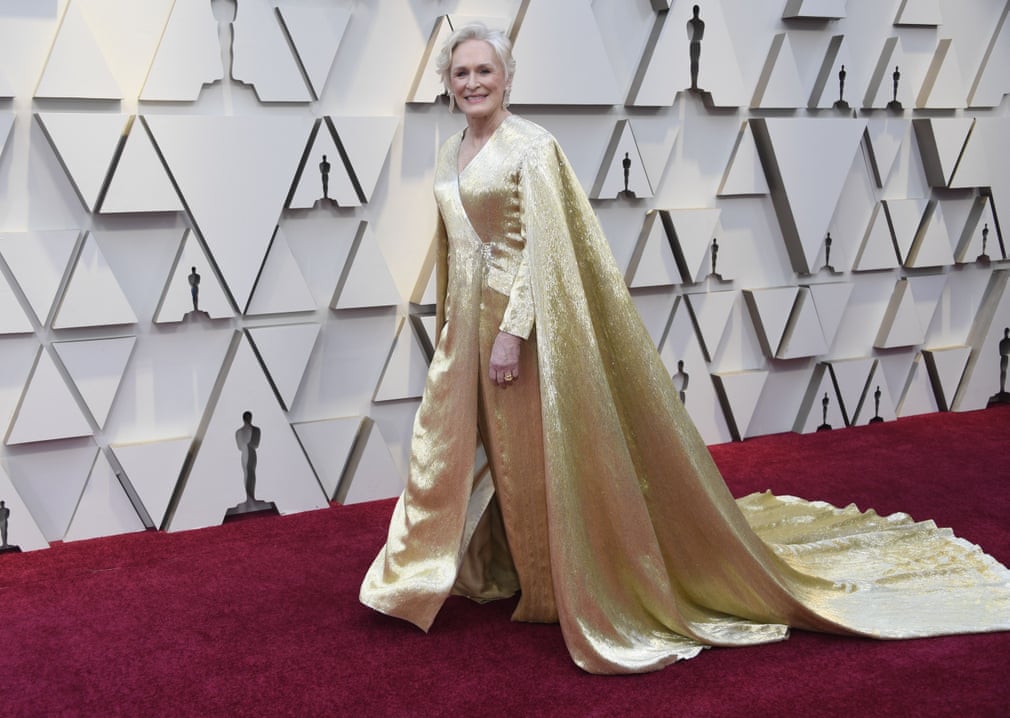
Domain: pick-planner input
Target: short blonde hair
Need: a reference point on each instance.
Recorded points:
(497, 39)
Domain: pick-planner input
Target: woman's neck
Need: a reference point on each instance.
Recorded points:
(479, 129)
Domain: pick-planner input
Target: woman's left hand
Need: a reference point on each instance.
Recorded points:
(504, 368)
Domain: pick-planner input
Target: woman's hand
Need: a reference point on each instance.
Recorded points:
(504, 368)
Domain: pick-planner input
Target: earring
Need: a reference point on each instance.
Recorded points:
(505, 98)
(452, 101)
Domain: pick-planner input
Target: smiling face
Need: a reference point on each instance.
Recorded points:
(477, 80)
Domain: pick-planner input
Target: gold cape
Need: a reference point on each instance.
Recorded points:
(607, 511)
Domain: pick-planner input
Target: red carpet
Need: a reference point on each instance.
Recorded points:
(260, 617)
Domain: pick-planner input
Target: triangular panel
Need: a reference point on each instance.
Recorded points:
(888, 85)
(711, 312)
(20, 357)
(178, 301)
(367, 281)
(821, 409)
(932, 246)
(779, 84)
(803, 336)
(328, 444)
(905, 217)
(984, 378)
(48, 410)
(941, 142)
(831, 300)
(623, 172)
(856, 205)
(692, 231)
(104, 508)
(918, 396)
(563, 35)
(6, 93)
(770, 311)
(366, 140)
(850, 377)
(315, 33)
(654, 264)
(76, 67)
(424, 325)
(38, 261)
(324, 175)
(685, 362)
(877, 250)
(285, 351)
(929, 289)
(814, 10)
(943, 87)
(991, 82)
(86, 143)
(665, 69)
(93, 296)
(153, 470)
(13, 319)
(406, 369)
(900, 326)
(234, 173)
(810, 160)
(189, 55)
(884, 138)
(919, 13)
(216, 481)
(877, 404)
(128, 34)
(96, 367)
(321, 244)
(974, 169)
(50, 482)
(835, 86)
(655, 308)
(6, 123)
(140, 182)
(978, 236)
(739, 392)
(375, 475)
(429, 296)
(263, 56)
(22, 531)
(946, 367)
(656, 134)
(744, 174)
(280, 287)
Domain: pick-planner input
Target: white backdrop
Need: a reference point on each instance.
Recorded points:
(135, 148)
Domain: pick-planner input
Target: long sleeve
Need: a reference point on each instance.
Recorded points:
(441, 274)
(520, 314)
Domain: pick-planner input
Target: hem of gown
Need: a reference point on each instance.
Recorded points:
(392, 613)
(609, 668)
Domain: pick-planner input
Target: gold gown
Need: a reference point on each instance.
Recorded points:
(603, 506)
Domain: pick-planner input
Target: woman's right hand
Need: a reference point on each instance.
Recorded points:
(504, 369)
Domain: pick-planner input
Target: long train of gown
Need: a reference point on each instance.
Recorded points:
(606, 510)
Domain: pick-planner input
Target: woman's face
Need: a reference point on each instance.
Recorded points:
(477, 79)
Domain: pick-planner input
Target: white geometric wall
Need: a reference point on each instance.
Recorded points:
(134, 148)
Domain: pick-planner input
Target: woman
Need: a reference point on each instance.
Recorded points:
(604, 508)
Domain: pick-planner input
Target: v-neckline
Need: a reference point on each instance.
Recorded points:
(462, 135)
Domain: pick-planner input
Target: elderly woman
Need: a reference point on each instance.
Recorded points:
(602, 506)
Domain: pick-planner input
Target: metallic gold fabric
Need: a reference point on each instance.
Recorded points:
(607, 511)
